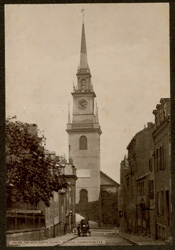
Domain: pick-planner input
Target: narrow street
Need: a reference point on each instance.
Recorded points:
(98, 237)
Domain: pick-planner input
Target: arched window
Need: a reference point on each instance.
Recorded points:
(83, 84)
(83, 142)
(83, 196)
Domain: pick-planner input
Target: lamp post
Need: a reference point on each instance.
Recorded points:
(70, 221)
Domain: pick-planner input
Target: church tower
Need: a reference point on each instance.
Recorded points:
(84, 132)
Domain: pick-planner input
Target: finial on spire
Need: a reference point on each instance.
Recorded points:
(69, 121)
(82, 14)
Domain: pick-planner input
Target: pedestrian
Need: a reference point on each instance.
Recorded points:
(65, 228)
(74, 230)
(78, 229)
(88, 227)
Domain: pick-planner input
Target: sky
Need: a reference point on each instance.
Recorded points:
(128, 55)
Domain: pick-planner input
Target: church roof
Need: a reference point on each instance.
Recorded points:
(106, 180)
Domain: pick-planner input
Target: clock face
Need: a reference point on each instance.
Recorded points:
(82, 104)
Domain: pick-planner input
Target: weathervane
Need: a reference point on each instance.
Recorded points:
(83, 13)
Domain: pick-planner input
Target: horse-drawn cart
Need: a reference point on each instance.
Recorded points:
(83, 228)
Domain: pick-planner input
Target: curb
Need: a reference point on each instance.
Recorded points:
(73, 238)
(139, 244)
(66, 240)
(133, 242)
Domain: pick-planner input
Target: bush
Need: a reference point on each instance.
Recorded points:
(109, 204)
(109, 210)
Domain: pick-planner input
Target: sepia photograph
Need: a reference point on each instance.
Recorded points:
(88, 125)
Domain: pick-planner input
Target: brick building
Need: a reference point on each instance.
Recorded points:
(137, 181)
(162, 169)
(145, 191)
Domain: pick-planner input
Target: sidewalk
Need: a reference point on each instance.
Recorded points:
(141, 240)
(48, 242)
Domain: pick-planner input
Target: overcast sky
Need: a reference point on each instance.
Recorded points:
(128, 54)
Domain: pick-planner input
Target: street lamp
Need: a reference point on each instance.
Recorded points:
(70, 220)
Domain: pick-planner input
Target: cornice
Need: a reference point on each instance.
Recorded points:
(83, 73)
(87, 130)
(71, 176)
(161, 127)
(84, 94)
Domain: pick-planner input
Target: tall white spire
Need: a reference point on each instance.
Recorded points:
(83, 51)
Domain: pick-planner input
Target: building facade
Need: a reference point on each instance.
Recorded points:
(124, 173)
(145, 191)
(162, 169)
(137, 181)
(84, 132)
(37, 222)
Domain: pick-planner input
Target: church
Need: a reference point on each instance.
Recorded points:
(84, 133)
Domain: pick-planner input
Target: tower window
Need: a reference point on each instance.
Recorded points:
(83, 84)
(83, 142)
(83, 196)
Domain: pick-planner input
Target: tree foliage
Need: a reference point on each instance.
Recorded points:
(31, 176)
(108, 205)
(90, 211)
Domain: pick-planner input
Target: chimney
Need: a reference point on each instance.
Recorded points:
(149, 124)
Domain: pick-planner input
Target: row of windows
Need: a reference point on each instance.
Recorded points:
(159, 160)
(141, 188)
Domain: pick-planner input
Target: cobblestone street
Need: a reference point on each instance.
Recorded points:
(99, 237)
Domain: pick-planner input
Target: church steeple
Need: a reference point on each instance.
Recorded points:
(84, 130)
(83, 51)
(84, 83)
